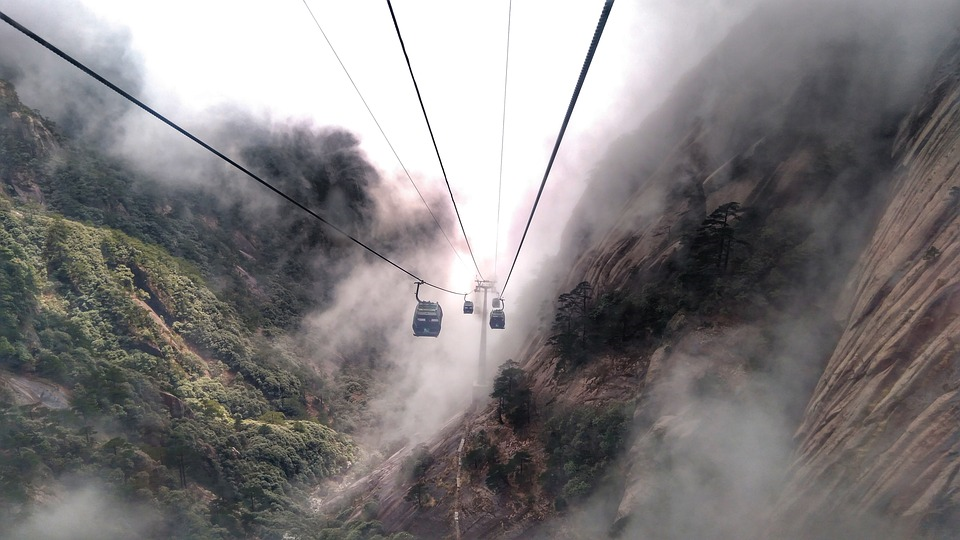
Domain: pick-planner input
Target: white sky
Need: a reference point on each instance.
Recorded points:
(270, 57)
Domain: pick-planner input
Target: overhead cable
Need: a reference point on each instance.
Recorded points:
(385, 138)
(433, 139)
(185, 133)
(503, 130)
(563, 128)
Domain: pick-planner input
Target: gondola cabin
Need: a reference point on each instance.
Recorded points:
(498, 319)
(497, 303)
(427, 318)
(467, 307)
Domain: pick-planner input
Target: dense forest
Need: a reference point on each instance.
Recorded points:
(144, 351)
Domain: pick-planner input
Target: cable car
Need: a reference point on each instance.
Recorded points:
(498, 319)
(467, 307)
(427, 318)
(497, 303)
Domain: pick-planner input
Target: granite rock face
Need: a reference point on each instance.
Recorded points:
(881, 432)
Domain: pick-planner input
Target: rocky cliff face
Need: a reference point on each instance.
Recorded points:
(880, 433)
(35, 143)
(875, 453)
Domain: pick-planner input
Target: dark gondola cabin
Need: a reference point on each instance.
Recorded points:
(498, 319)
(467, 307)
(427, 318)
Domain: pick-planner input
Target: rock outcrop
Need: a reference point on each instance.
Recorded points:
(36, 144)
(881, 434)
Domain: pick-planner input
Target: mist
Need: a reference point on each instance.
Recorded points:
(713, 445)
(84, 510)
(91, 112)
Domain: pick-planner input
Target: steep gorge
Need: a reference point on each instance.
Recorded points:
(881, 431)
(816, 397)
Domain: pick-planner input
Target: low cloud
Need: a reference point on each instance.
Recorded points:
(83, 513)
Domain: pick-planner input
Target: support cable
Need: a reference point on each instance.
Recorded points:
(214, 151)
(503, 130)
(385, 138)
(608, 4)
(433, 139)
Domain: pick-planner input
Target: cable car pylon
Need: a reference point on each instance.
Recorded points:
(480, 386)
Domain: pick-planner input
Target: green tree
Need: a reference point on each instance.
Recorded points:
(415, 466)
(579, 444)
(481, 452)
(522, 464)
(416, 493)
(17, 294)
(56, 247)
(570, 321)
(513, 395)
(712, 243)
(498, 476)
(570, 335)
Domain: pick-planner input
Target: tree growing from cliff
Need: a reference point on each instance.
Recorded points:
(522, 464)
(481, 453)
(498, 477)
(512, 392)
(579, 445)
(713, 241)
(416, 494)
(708, 261)
(570, 335)
(415, 466)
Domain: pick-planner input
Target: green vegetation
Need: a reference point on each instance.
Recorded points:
(514, 403)
(519, 468)
(161, 311)
(182, 394)
(354, 530)
(736, 263)
(266, 265)
(480, 453)
(580, 444)
(414, 469)
(571, 323)
(513, 395)
(415, 465)
(259, 258)
(711, 245)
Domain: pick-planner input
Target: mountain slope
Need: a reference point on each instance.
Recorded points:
(880, 432)
(157, 372)
(730, 248)
(146, 377)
